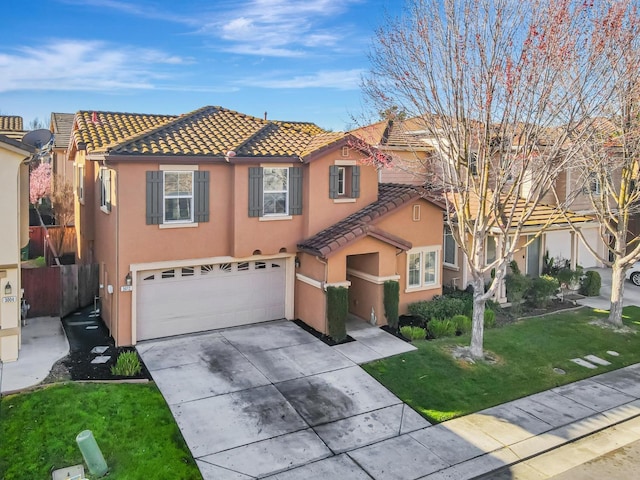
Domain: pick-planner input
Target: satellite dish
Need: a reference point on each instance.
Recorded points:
(38, 139)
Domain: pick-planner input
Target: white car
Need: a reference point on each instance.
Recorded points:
(633, 273)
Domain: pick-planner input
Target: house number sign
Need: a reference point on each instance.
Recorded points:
(11, 299)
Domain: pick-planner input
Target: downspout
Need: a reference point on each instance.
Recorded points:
(116, 324)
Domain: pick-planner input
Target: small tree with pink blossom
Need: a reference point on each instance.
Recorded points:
(39, 184)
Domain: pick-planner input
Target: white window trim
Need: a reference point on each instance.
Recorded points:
(276, 216)
(422, 251)
(105, 186)
(164, 198)
(453, 265)
(345, 200)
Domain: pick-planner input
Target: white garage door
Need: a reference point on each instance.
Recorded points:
(202, 297)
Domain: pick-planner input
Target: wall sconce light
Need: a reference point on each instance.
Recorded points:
(127, 279)
(7, 289)
(297, 262)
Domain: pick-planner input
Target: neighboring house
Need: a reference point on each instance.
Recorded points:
(14, 225)
(61, 124)
(409, 146)
(214, 219)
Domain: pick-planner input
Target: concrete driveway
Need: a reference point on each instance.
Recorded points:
(258, 400)
(603, 301)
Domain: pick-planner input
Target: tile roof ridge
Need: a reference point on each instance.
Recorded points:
(268, 125)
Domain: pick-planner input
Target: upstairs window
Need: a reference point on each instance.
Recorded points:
(344, 181)
(275, 191)
(450, 248)
(105, 189)
(177, 197)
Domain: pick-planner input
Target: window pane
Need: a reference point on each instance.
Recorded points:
(275, 179)
(491, 249)
(185, 183)
(275, 203)
(449, 247)
(176, 209)
(341, 177)
(170, 183)
(414, 270)
(430, 264)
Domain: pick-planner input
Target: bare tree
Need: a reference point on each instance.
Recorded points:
(63, 209)
(610, 158)
(500, 87)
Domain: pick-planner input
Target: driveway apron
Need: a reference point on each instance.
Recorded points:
(264, 399)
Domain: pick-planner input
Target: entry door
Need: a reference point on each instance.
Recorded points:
(533, 258)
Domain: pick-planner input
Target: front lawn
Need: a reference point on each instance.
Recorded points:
(131, 423)
(440, 387)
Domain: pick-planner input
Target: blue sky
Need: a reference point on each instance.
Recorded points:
(297, 60)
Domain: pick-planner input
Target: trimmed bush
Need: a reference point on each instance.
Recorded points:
(463, 323)
(540, 290)
(413, 333)
(590, 284)
(440, 308)
(391, 302)
(517, 285)
(489, 318)
(337, 311)
(441, 328)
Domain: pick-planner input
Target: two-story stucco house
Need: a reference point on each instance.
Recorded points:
(215, 218)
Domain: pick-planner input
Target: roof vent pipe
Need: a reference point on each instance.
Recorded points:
(265, 116)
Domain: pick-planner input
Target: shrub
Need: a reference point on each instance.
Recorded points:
(463, 323)
(413, 333)
(441, 328)
(337, 311)
(489, 318)
(517, 285)
(590, 284)
(540, 289)
(568, 277)
(127, 365)
(391, 302)
(440, 308)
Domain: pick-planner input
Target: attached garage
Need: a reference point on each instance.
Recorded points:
(174, 301)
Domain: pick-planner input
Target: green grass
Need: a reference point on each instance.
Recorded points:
(440, 387)
(131, 423)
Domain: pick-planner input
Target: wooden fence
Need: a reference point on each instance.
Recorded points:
(58, 291)
(38, 240)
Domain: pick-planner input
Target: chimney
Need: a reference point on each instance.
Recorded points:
(265, 116)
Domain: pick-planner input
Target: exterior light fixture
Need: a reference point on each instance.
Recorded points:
(127, 279)
(297, 262)
(7, 289)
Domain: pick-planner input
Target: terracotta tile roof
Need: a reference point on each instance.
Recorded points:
(10, 122)
(390, 197)
(61, 126)
(208, 131)
(102, 130)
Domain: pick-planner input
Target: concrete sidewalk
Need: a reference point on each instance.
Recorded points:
(43, 343)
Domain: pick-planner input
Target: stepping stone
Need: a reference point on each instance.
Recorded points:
(100, 349)
(559, 371)
(101, 359)
(598, 360)
(91, 327)
(612, 353)
(583, 363)
(78, 324)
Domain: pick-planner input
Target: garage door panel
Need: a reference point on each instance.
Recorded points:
(216, 299)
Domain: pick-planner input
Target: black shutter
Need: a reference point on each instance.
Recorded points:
(201, 196)
(154, 197)
(255, 191)
(333, 181)
(355, 182)
(295, 191)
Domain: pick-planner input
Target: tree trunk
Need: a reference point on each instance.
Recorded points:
(477, 327)
(617, 291)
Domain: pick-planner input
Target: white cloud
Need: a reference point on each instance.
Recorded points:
(335, 79)
(82, 65)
